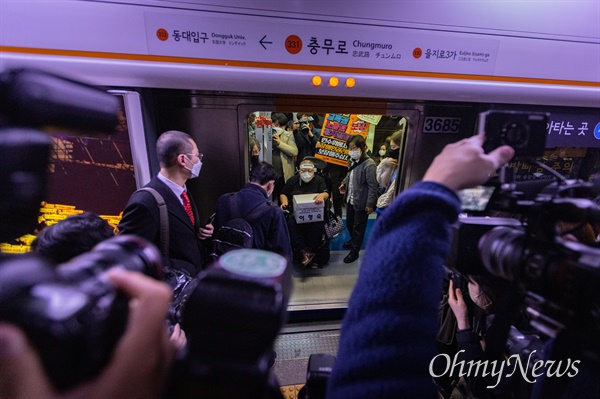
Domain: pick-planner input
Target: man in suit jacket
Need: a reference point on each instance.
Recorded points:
(179, 160)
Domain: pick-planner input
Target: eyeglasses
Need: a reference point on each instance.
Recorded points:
(199, 155)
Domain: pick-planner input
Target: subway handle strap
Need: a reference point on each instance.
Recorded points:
(164, 220)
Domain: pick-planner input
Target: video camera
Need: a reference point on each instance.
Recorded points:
(557, 278)
(305, 123)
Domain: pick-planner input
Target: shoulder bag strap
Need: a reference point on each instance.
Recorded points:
(257, 212)
(234, 208)
(164, 219)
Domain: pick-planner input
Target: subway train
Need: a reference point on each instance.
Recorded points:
(208, 68)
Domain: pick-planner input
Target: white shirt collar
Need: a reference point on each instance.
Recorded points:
(176, 188)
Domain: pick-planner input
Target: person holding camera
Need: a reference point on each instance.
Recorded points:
(388, 334)
(306, 140)
(139, 365)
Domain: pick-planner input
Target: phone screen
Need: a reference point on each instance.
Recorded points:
(476, 199)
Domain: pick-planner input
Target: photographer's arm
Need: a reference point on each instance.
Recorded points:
(139, 364)
(289, 147)
(388, 334)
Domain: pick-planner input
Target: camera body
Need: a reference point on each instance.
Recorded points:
(71, 313)
(305, 123)
(232, 316)
(525, 132)
(557, 277)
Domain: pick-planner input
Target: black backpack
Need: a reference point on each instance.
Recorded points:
(237, 232)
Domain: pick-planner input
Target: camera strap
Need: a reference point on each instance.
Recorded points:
(164, 219)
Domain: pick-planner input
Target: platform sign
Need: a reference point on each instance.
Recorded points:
(573, 130)
(319, 43)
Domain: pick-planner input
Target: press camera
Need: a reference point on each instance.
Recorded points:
(525, 132)
(558, 278)
(305, 123)
(70, 312)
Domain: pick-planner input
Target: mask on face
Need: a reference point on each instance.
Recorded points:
(195, 168)
(381, 153)
(254, 159)
(354, 154)
(307, 176)
(395, 153)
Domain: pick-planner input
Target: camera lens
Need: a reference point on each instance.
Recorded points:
(515, 135)
(501, 252)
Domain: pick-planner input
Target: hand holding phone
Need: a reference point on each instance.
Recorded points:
(211, 218)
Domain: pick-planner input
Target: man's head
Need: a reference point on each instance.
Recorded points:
(72, 236)
(264, 175)
(178, 152)
(307, 170)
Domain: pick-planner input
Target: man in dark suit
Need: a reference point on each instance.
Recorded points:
(179, 160)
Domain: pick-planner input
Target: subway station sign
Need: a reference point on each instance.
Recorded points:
(325, 44)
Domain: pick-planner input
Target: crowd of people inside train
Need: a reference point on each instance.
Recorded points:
(367, 184)
(388, 336)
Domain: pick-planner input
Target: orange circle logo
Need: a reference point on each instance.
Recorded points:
(293, 44)
(417, 52)
(162, 34)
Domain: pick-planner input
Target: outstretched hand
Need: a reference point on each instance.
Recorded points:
(464, 164)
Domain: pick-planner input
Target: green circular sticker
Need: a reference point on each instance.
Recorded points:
(253, 263)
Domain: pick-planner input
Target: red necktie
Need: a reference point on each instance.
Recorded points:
(188, 206)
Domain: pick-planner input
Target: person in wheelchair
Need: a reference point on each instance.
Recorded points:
(309, 242)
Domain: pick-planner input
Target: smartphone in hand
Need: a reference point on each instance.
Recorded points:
(210, 219)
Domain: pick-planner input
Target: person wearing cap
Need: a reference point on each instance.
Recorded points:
(284, 151)
(306, 237)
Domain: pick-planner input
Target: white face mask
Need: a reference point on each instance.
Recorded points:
(354, 154)
(307, 176)
(381, 153)
(195, 168)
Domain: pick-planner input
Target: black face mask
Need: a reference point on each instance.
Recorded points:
(395, 154)
(254, 159)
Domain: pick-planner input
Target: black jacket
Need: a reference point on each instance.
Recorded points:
(270, 231)
(141, 217)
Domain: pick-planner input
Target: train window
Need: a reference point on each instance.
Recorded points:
(326, 280)
(85, 174)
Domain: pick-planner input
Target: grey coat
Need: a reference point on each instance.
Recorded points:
(364, 184)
